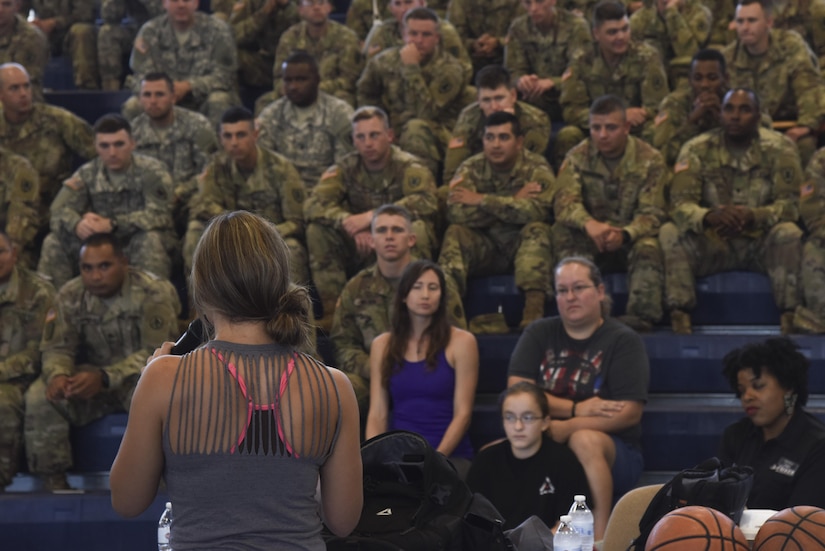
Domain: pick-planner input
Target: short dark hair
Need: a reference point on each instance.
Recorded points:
(608, 10)
(298, 57)
(767, 5)
(237, 114)
(423, 14)
(709, 54)
(101, 239)
(526, 387)
(607, 104)
(112, 123)
(504, 117)
(493, 76)
(391, 209)
(779, 356)
(155, 76)
(752, 93)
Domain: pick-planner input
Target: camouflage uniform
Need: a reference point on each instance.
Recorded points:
(388, 35)
(257, 35)
(422, 101)
(139, 200)
(115, 336)
(722, 14)
(74, 33)
(360, 14)
(529, 51)
(313, 143)
(207, 61)
(786, 79)
(639, 79)
(473, 18)
(273, 190)
(502, 233)
(19, 198)
(115, 37)
(49, 139)
(184, 147)
(26, 45)
(812, 212)
(630, 197)
(23, 306)
(766, 179)
(469, 131)
(677, 35)
(807, 20)
(347, 188)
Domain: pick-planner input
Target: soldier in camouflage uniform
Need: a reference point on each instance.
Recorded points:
(24, 300)
(21, 43)
(585, 7)
(420, 86)
(339, 210)
(309, 127)
(361, 16)
(499, 210)
(390, 34)
(609, 207)
(127, 194)
(69, 26)
(111, 318)
(734, 204)
(364, 308)
(48, 136)
(540, 46)
(780, 67)
(496, 92)
(19, 202)
(249, 177)
(258, 26)
(203, 67)
(483, 27)
(677, 29)
(811, 317)
(183, 139)
(115, 37)
(807, 17)
(722, 13)
(616, 65)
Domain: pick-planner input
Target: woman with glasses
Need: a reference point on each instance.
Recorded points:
(423, 372)
(594, 372)
(529, 473)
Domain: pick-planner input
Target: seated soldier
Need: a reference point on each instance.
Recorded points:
(121, 21)
(22, 43)
(339, 210)
(365, 15)
(97, 337)
(734, 206)
(499, 209)
(806, 18)
(121, 192)
(19, 203)
(811, 317)
(610, 204)
(483, 27)
(69, 26)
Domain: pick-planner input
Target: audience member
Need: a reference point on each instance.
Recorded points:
(69, 27)
(496, 92)
(499, 209)
(529, 473)
(734, 202)
(196, 50)
(339, 210)
(483, 27)
(423, 372)
(19, 204)
(804, 17)
(722, 15)
(420, 86)
(119, 192)
(307, 126)
(22, 43)
(594, 372)
(246, 423)
(783, 443)
(121, 21)
(24, 300)
(610, 204)
(365, 15)
(811, 317)
(95, 341)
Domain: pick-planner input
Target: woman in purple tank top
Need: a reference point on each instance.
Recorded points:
(423, 373)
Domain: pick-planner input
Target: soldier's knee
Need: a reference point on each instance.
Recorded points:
(537, 231)
(647, 250)
(668, 235)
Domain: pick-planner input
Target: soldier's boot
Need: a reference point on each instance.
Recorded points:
(110, 84)
(806, 322)
(786, 326)
(325, 322)
(636, 323)
(680, 322)
(55, 481)
(533, 307)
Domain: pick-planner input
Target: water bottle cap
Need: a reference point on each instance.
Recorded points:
(566, 518)
(168, 504)
(579, 498)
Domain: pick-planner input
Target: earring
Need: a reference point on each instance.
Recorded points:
(790, 402)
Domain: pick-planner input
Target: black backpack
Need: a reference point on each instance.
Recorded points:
(414, 500)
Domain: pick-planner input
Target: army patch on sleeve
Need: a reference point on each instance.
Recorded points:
(74, 183)
(238, 6)
(26, 186)
(660, 118)
(415, 181)
(298, 195)
(806, 189)
(787, 174)
(456, 180)
(681, 166)
(156, 323)
(331, 172)
(456, 142)
(566, 74)
(140, 45)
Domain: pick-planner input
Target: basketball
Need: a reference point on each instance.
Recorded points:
(696, 529)
(800, 528)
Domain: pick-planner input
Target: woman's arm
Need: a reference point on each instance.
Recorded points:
(137, 469)
(342, 487)
(560, 408)
(462, 353)
(378, 416)
(596, 414)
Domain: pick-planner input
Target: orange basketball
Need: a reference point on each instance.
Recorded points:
(800, 528)
(696, 529)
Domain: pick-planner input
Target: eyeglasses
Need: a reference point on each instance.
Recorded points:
(527, 418)
(577, 290)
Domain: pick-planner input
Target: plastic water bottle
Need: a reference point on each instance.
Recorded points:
(165, 529)
(566, 538)
(582, 521)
